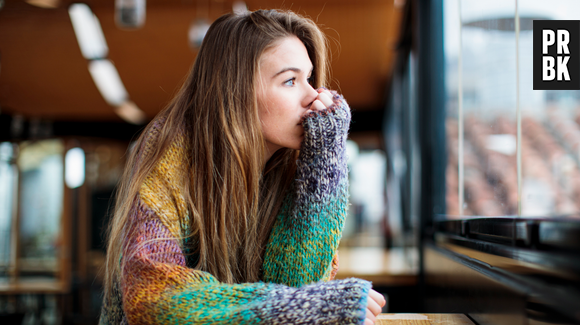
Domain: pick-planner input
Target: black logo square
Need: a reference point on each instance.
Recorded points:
(556, 53)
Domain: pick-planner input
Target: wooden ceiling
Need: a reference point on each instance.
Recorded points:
(44, 76)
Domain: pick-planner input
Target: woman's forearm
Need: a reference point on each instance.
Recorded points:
(309, 227)
(158, 288)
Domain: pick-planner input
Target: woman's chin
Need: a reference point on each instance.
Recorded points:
(298, 145)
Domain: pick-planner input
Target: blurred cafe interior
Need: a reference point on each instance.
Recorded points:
(464, 181)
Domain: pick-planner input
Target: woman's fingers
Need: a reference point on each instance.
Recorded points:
(322, 101)
(377, 297)
(370, 316)
(318, 105)
(327, 92)
(325, 98)
(373, 306)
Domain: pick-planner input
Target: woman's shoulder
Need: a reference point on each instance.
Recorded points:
(150, 137)
(158, 140)
(162, 189)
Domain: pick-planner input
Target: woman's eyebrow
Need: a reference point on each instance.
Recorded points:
(297, 70)
(285, 70)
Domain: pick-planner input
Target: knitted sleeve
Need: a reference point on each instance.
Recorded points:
(158, 288)
(307, 231)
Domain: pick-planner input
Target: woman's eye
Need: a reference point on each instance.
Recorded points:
(290, 82)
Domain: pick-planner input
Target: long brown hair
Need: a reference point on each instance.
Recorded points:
(232, 198)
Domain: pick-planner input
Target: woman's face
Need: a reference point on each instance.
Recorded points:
(284, 94)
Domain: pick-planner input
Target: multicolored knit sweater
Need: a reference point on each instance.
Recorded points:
(157, 287)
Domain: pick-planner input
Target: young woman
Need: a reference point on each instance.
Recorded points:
(234, 198)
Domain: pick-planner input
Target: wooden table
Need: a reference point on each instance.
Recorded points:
(394, 267)
(423, 319)
(33, 285)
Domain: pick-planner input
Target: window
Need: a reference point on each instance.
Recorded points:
(492, 110)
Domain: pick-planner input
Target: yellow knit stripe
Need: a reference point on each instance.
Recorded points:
(161, 190)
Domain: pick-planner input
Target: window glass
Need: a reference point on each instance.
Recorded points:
(365, 224)
(490, 101)
(550, 125)
(8, 179)
(41, 204)
(481, 62)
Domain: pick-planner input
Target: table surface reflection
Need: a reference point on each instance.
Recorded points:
(393, 267)
(423, 319)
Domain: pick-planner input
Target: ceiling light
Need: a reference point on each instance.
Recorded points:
(74, 172)
(130, 13)
(239, 7)
(129, 112)
(88, 31)
(197, 32)
(44, 3)
(108, 81)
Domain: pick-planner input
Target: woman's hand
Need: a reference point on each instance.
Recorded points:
(374, 304)
(322, 101)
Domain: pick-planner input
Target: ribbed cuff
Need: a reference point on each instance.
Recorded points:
(325, 128)
(333, 302)
(322, 163)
